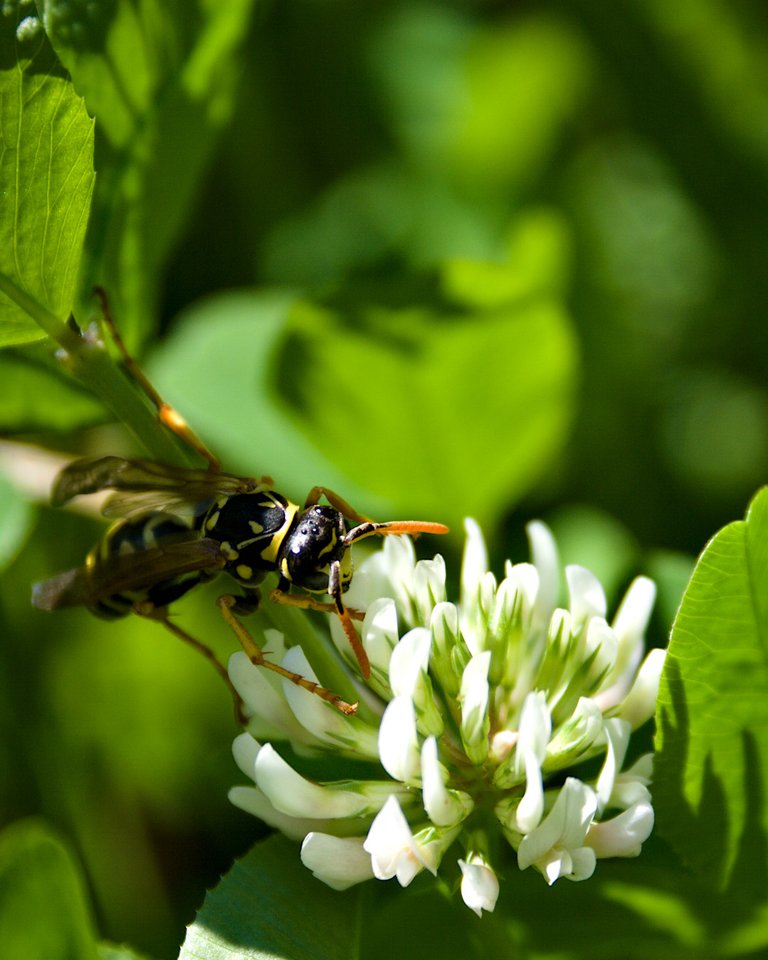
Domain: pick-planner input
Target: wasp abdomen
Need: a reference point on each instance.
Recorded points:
(137, 535)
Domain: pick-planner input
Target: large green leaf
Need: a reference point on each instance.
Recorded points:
(269, 906)
(43, 908)
(713, 712)
(46, 179)
(439, 415)
(159, 77)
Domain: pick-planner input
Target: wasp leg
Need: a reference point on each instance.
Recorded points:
(345, 614)
(166, 414)
(160, 615)
(305, 602)
(247, 603)
(226, 604)
(336, 501)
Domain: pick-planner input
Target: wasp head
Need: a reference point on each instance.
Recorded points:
(315, 542)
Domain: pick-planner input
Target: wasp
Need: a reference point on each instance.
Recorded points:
(179, 527)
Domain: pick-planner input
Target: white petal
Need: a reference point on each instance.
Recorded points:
(617, 731)
(400, 557)
(291, 793)
(379, 634)
(474, 706)
(535, 726)
(640, 703)
(534, 733)
(474, 563)
(531, 806)
(340, 862)
(443, 807)
(253, 801)
(600, 638)
(398, 741)
(564, 827)
(624, 835)
(428, 586)
(545, 559)
(263, 697)
(245, 750)
(583, 862)
(391, 846)
(410, 659)
(631, 620)
(586, 594)
(323, 720)
(479, 884)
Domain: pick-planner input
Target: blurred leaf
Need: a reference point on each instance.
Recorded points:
(43, 907)
(521, 82)
(714, 436)
(35, 396)
(46, 177)
(270, 906)
(217, 369)
(724, 58)
(377, 212)
(712, 715)
(537, 263)
(159, 78)
(444, 417)
(15, 521)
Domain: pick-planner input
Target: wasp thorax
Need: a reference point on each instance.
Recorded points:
(314, 543)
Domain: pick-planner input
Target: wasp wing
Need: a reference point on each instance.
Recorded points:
(144, 485)
(86, 585)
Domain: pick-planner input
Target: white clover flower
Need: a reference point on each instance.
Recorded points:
(476, 713)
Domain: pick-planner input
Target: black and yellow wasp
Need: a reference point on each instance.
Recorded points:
(180, 527)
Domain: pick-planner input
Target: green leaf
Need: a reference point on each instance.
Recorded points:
(712, 715)
(46, 180)
(217, 369)
(439, 416)
(270, 906)
(43, 907)
(36, 396)
(15, 521)
(159, 78)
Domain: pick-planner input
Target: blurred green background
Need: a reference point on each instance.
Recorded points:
(493, 258)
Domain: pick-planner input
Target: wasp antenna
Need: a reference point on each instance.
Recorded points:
(392, 527)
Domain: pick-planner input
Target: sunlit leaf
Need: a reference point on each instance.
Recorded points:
(46, 178)
(269, 906)
(713, 711)
(443, 416)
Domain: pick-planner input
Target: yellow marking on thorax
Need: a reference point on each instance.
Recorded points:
(229, 551)
(330, 546)
(269, 553)
(244, 571)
